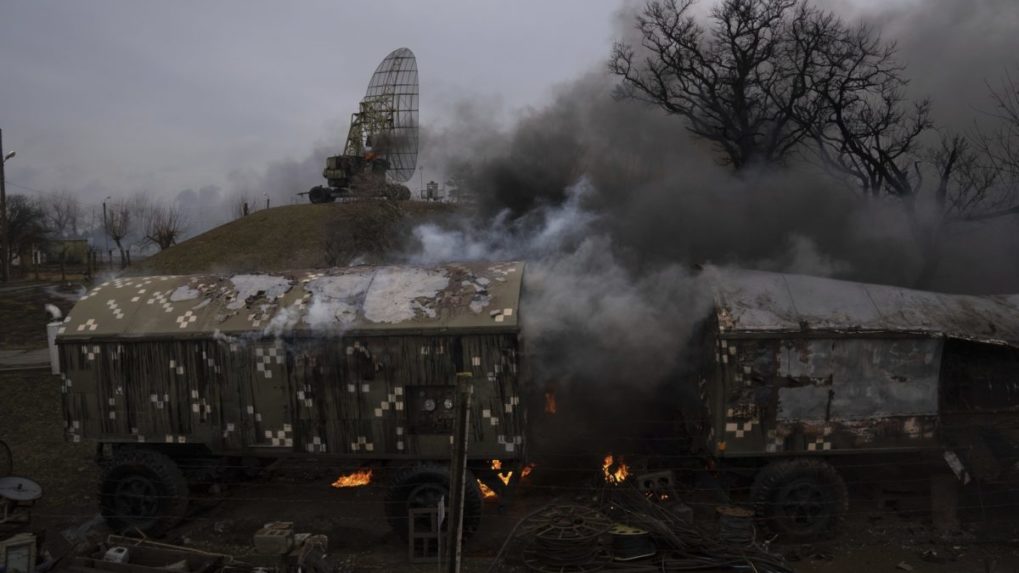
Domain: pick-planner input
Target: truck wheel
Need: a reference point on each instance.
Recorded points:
(800, 500)
(423, 486)
(142, 490)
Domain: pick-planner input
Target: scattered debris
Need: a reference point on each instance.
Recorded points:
(626, 529)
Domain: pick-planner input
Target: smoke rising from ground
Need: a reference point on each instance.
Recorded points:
(601, 334)
(584, 306)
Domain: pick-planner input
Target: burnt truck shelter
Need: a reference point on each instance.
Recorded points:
(805, 365)
(358, 362)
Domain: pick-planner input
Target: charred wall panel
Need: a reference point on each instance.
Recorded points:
(979, 405)
(830, 394)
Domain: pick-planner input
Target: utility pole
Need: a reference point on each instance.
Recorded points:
(5, 268)
(106, 233)
(458, 470)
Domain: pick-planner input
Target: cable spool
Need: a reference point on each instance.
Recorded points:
(566, 540)
(736, 525)
(631, 543)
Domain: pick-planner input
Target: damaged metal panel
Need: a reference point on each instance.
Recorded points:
(829, 394)
(821, 366)
(852, 379)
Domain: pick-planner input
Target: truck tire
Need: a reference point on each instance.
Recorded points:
(142, 490)
(422, 486)
(800, 500)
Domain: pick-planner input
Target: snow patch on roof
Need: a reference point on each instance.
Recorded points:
(248, 286)
(398, 294)
(183, 293)
(336, 299)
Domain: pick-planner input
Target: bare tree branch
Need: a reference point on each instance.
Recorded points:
(119, 225)
(739, 83)
(164, 224)
(63, 213)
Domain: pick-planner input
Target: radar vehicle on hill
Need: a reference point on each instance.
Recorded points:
(382, 144)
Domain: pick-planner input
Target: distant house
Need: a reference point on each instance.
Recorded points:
(37, 256)
(75, 251)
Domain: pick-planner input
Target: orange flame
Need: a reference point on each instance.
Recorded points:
(619, 474)
(550, 405)
(486, 492)
(359, 478)
(503, 476)
(526, 471)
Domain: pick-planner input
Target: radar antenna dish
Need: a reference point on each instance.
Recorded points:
(381, 150)
(389, 115)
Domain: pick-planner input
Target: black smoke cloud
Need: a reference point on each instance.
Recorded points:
(665, 199)
(615, 207)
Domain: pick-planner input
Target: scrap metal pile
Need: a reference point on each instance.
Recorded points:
(626, 529)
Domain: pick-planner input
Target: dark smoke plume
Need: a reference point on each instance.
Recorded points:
(664, 199)
(615, 205)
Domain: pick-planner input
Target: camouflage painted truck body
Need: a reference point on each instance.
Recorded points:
(357, 362)
(799, 374)
(798, 365)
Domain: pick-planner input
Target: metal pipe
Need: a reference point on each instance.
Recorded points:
(106, 233)
(5, 269)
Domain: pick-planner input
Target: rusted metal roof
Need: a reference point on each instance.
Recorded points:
(357, 300)
(761, 302)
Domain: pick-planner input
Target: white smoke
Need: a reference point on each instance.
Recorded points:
(585, 315)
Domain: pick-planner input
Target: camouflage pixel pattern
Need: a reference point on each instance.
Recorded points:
(344, 362)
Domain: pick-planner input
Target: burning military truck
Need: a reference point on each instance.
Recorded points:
(180, 378)
(800, 373)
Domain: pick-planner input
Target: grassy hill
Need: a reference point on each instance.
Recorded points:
(298, 237)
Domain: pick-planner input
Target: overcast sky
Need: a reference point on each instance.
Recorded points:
(113, 97)
(110, 97)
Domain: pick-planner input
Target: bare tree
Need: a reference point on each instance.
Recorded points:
(164, 224)
(26, 227)
(64, 216)
(120, 225)
(876, 136)
(864, 127)
(1000, 147)
(963, 184)
(741, 83)
(868, 131)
